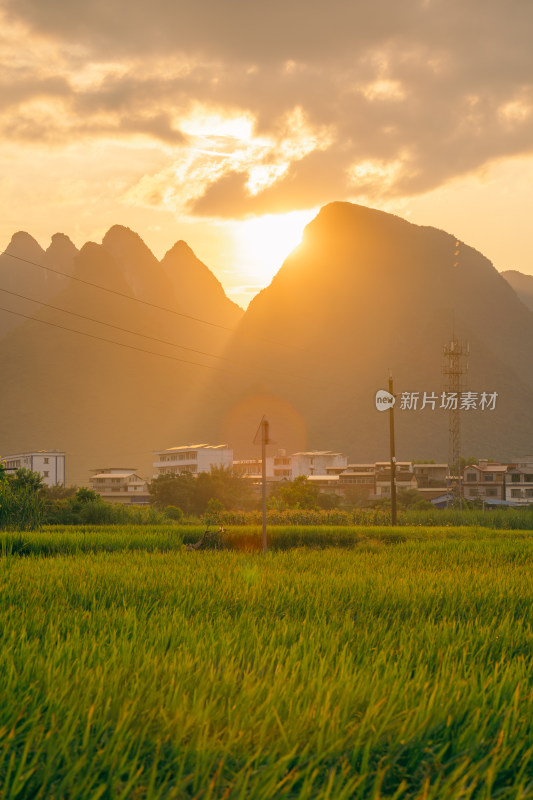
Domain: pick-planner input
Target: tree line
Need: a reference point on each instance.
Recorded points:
(25, 503)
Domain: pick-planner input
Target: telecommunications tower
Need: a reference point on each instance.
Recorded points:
(454, 368)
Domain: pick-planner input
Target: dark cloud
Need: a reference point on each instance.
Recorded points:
(233, 29)
(310, 182)
(421, 91)
(17, 89)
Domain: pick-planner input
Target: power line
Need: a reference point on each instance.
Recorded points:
(109, 341)
(134, 333)
(146, 302)
(131, 346)
(141, 349)
(234, 331)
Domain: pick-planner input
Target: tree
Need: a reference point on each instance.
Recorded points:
(231, 489)
(356, 497)
(26, 479)
(192, 493)
(467, 462)
(298, 493)
(57, 492)
(328, 500)
(21, 505)
(84, 495)
(174, 490)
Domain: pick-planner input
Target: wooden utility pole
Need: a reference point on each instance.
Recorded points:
(264, 442)
(392, 458)
(265, 439)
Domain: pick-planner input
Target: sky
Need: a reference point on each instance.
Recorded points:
(229, 124)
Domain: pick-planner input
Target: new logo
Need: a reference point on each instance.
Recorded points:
(384, 400)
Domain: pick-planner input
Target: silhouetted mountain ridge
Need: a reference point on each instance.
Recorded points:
(364, 294)
(367, 293)
(522, 285)
(115, 391)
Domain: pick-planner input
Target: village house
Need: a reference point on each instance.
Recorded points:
(405, 477)
(519, 481)
(120, 485)
(283, 466)
(486, 480)
(194, 458)
(50, 464)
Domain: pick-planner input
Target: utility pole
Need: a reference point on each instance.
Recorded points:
(264, 442)
(265, 439)
(392, 458)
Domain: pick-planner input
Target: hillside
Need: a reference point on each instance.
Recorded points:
(19, 275)
(522, 284)
(104, 403)
(367, 293)
(364, 294)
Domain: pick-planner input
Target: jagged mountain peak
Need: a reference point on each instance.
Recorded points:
(366, 293)
(62, 252)
(24, 245)
(62, 240)
(194, 283)
(180, 248)
(124, 242)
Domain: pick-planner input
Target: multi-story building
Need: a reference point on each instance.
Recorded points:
(358, 481)
(431, 476)
(50, 464)
(283, 466)
(252, 468)
(405, 477)
(486, 480)
(120, 485)
(519, 481)
(193, 458)
(316, 462)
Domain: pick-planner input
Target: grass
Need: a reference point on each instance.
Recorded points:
(393, 668)
(496, 518)
(75, 540)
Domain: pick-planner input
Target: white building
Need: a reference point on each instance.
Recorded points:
(120, 485)
(286, 467)
(193, 458)
(50, 464)
(316, 462)
(252, 468)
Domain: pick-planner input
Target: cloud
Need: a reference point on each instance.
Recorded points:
(319, 101)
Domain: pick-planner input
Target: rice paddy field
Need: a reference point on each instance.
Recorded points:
(353, 663)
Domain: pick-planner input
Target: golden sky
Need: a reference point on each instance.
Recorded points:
(228, 124)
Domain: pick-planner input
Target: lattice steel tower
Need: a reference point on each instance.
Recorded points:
(454, 368)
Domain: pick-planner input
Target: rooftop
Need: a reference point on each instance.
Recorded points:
(35, 453)
(194, 447)
(490, 467)
(317, 453)
(111, 475)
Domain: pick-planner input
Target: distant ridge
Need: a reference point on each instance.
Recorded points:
(522, 284)
(365, 293)
(368, 292)
(100, 401)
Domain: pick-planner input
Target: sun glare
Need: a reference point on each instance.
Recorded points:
(263, 243)
(203, 123)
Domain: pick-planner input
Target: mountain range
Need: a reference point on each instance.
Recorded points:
(366, 294)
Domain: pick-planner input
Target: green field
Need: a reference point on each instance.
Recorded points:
(393, 666)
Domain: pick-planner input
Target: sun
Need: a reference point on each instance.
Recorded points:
(263, 243)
